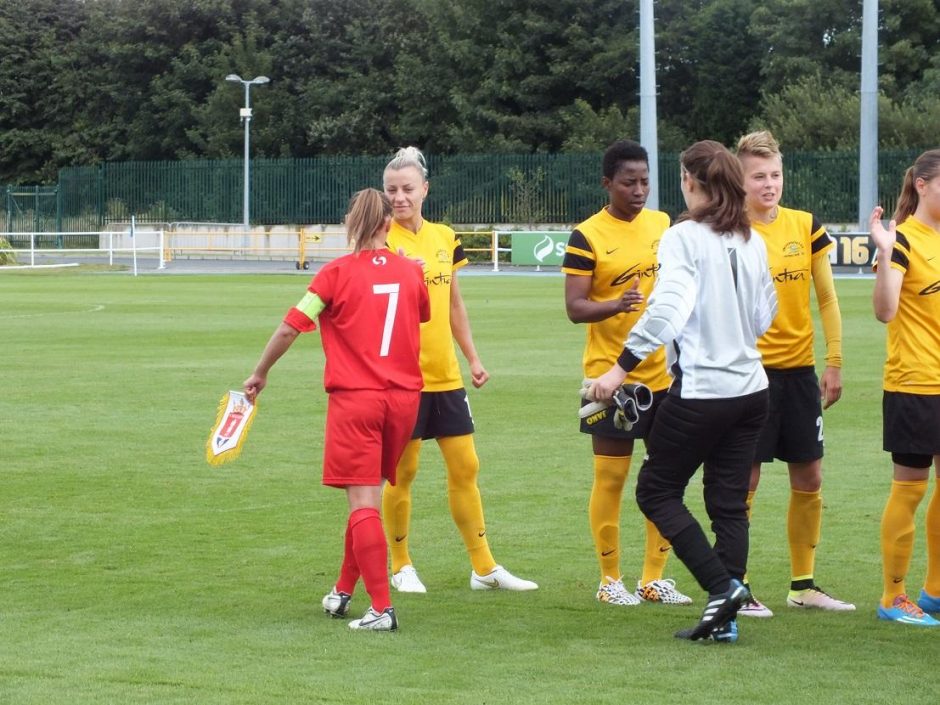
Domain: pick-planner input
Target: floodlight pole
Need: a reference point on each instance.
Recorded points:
(648, 137)
(245, 114)
(868, 116)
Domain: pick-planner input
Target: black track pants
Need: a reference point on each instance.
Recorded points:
(720, 434)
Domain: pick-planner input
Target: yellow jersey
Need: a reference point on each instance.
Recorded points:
(794, 240)
(613, 252)
(443, 255)
(913, 363)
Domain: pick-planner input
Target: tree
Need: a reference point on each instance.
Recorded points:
(87, 81)
(503, 75)
(709, 67)
(803, 122)
(34, 111)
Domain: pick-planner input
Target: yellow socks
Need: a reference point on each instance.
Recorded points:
(657, 551)
(804, 520)
(463, 493)
(750, 505)
(610, 474)
(932, 581)
(396, 506)
(897, 535)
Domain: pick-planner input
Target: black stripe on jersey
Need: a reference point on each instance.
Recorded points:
(819, 237)
(903, 241)
(821, 242)
(899, 255)
(575, 261)
(459, 254)
(579, 241)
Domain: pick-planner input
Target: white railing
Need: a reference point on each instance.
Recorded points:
(128, 240)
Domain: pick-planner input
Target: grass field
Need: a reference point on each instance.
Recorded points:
(133, 572)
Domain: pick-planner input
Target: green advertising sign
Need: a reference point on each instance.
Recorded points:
(532, 247)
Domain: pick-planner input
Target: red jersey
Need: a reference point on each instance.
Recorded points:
(375, 302)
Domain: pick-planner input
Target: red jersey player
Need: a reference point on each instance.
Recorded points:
(370, 305)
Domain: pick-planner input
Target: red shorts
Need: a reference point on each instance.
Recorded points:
(366, 432)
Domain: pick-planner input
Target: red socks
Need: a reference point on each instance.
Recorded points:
(349, 571)
(366, 555)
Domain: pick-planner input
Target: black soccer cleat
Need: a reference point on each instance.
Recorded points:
(719, 611)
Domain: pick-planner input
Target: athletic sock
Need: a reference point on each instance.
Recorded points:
(657, 551)
(897, 535)
(750, 505)
(463, 495)
(610, 474)
(932, 581)
(804, 521)
(371, 551)
(396, 506)
(349, 571)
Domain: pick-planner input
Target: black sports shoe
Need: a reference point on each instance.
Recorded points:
(727, 634)
(719, 610)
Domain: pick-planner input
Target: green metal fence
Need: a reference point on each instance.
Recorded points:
(465, 189)
(31, 209)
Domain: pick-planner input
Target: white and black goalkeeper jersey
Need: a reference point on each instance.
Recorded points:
(713, 300)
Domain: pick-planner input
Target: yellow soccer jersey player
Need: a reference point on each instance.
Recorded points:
(797, 249)
(906, 296)
(444, 413)
(611, 267)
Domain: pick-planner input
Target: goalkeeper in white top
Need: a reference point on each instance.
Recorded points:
(713, 299)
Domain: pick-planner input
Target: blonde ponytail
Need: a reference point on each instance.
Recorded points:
(368, 210)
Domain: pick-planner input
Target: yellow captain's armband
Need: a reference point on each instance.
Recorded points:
(311, 305)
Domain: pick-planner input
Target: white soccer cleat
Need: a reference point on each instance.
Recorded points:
(814, 598)
(753, 607)
(663, 590)
(407, 580)
(500, 579)
(384, 621)
(614, 593)
(336, 604)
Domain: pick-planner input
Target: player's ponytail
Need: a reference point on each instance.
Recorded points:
(368, 211)
(721, 178)
(926, 167)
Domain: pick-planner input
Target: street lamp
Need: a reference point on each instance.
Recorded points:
(245, 114)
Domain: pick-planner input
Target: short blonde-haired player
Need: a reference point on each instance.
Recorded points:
(797, 247)
(907, 298)
(610, 266)
(444, 414)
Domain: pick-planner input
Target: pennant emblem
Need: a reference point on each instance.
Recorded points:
(232, 422)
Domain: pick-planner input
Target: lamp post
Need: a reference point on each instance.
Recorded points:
(245, 114)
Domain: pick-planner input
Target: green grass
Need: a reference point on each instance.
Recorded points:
(133, 572)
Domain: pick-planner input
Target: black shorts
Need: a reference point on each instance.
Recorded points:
(911, 423)
(443, 414)
(794, 429)
(602, 423)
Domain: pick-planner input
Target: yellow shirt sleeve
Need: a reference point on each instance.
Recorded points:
(829, 311)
